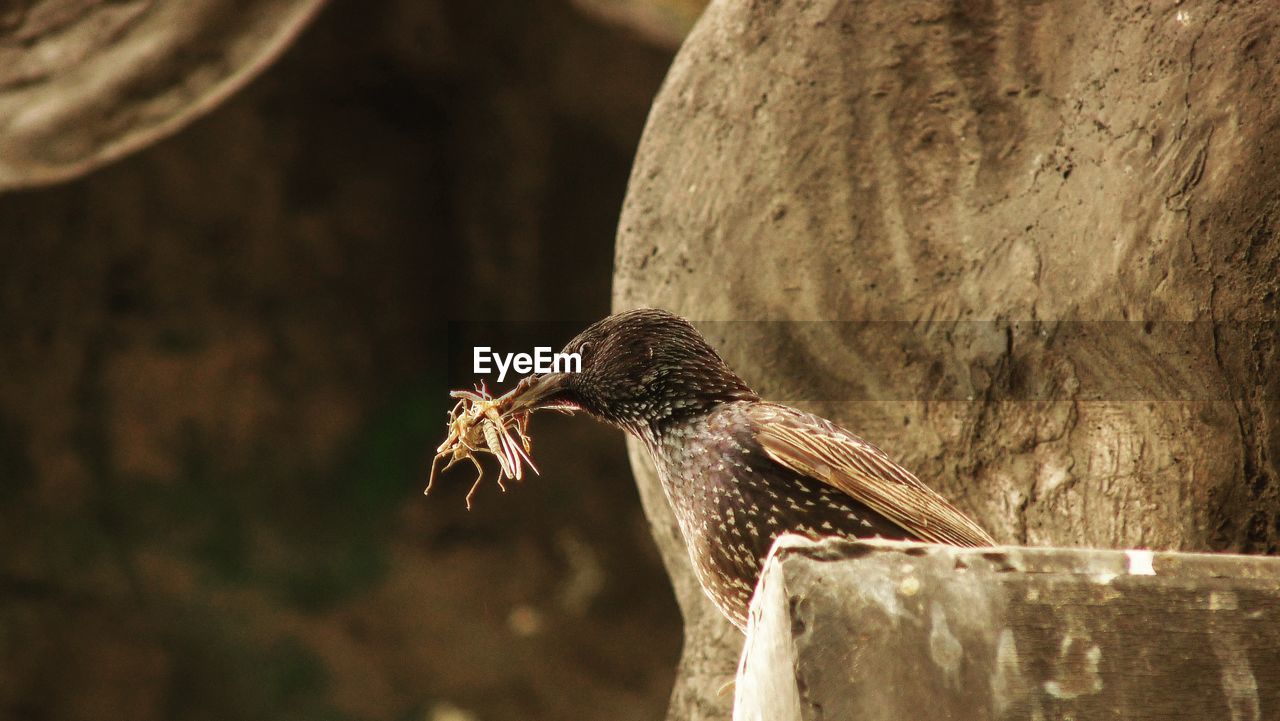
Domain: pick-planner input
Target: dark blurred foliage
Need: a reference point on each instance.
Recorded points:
(222, 375)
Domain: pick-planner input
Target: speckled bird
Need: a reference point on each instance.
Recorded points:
(738, 471)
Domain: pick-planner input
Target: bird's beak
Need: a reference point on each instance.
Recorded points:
(541, 393)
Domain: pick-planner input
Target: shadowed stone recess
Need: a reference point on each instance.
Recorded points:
(224, 371)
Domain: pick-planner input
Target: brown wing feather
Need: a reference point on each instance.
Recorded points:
(817, 448)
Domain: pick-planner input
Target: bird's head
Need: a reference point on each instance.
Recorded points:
(639, 369)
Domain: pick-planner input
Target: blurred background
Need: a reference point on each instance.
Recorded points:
(223, 373)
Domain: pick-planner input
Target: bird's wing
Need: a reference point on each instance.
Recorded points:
(817, 448)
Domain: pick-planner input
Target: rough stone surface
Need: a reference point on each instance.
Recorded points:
(83, 82)
(955, 179)
(883, 631)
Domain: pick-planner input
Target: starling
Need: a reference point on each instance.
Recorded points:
(738, 471)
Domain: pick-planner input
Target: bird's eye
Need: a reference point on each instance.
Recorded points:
(582, 349)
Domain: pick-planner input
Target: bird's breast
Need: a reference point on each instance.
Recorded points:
(732, 502)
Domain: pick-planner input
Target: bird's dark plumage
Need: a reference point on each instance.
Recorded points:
(739, 471)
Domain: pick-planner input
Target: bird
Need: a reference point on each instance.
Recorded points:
(738, 471)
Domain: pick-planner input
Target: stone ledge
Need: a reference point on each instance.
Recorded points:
(880, 631)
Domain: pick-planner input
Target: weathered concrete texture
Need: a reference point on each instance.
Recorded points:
(83, 82)
(886, 631)
(938, 163)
